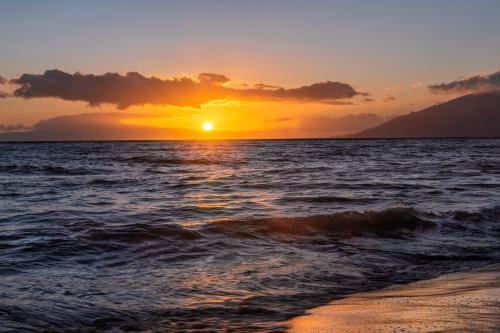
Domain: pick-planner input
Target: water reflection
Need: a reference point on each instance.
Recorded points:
(218, 235)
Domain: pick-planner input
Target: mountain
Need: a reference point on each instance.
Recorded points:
(476, 115)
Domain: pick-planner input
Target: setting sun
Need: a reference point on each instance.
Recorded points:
(208, 126)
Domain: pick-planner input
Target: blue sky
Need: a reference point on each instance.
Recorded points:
(351, 40)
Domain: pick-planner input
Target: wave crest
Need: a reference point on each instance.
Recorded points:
(393, 222)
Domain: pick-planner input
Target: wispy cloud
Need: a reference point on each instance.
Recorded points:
(477, 83)
(135, 89)
(388, 98)
(13, 127)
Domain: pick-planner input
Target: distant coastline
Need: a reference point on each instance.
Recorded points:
(271, 139)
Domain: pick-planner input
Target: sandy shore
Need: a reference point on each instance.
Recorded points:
(458, 302)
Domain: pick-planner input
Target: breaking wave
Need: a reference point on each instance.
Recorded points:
(392, 222)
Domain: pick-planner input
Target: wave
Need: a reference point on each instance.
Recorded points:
(324, 199)
(102, 181)
(108, 182)
(46, 170)
(485, 214)
(178, 161)
(91, 235)
(142, 232)
(393, 222)
(400, 222)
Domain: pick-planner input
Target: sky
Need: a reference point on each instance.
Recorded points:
(284, 68)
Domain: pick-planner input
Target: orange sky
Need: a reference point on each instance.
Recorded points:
(390, 50)
(231, 118)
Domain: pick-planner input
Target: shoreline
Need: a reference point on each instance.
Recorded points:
(454, 302)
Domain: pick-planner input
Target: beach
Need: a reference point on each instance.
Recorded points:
(456, 302)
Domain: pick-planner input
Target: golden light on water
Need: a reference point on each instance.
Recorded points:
(208, 126)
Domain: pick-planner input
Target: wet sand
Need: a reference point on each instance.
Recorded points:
(458, 302)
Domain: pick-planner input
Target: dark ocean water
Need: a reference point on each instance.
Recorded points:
(236, 235)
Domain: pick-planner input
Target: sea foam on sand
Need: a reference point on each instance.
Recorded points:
(458, 302)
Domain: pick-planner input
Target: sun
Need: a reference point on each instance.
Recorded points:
(208, 126)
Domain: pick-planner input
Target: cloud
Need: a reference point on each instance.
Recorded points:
(136, 89)
(473, 84)
(265, 86)
(12, 127)
(388, 98)
(3, 94)
(213, 78)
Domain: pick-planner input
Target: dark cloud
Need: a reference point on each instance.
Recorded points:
(2, 93)
(136, 89)
(388, 98)
(325, 92)
(12, 127)
(213, 78)
(265, 86)
(473, 84)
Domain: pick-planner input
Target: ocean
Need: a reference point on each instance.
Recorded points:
(203, 236)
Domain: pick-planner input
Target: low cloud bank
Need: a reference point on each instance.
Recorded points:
(109, 126)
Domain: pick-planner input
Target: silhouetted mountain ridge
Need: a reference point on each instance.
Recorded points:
(475, 115)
